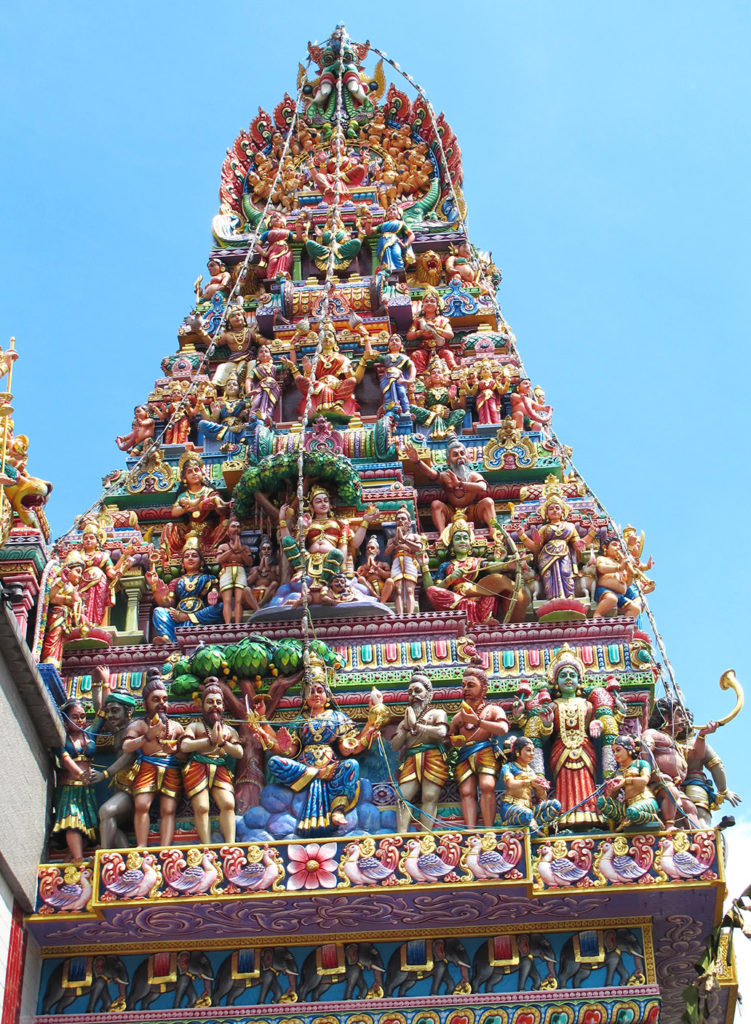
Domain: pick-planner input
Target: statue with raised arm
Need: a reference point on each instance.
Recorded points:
(212, 748)
(117, 811)
(199, 510)
(319, 759)
(419, 739)
(476, 732)
(464, 488)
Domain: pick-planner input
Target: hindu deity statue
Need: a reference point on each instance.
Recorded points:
(477, 731)
(99, 575)
(142, 429)
(527, 412)
(177, 409)
(433, 332)
(465, 489)
(397, 376)
(241, 340)
(75, 803)
(635, 547)
(66, 617)
(419, 739)
(199, 511)
(190, 600)
(395, 238)
(276, 248)
(220, 281)
(228, 417)
(459, 264)
(486, 381)
(628, 800)
(405, 550)
(682, 754)
(556, 544)
(332, 389)
(264, 578)
(374, 573)
(262, 386)
(469, 583)
(572, 720)
(334, 58)
(615, 592)
(235, 559)
(436, 407)
(319, 759)
(524, 800)
(329, 541)
(334, 235)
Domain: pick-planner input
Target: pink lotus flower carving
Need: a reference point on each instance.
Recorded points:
(312, 866)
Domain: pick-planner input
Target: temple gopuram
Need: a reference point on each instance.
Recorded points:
(356, 696)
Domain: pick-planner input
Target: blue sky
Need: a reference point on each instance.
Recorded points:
(606, 155)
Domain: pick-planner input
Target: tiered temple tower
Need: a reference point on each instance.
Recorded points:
(439, 791)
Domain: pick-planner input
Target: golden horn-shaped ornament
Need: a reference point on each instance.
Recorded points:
(728, 681)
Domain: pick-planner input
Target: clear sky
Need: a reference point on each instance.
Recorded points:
(606, 159)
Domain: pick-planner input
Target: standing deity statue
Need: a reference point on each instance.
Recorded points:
(264, 578)
(66, 618)
(374, 573)
(75, 803)
(234, 559)
(155, 740)
(419, 738)
(395, 238)
(212, 749)
(262, 386)
(99, 575)
(682, 754)
(276, 248)
(397, 377)
(574, 723)
(404, 549)
(476, 731)
(556, 544)
(117, 811)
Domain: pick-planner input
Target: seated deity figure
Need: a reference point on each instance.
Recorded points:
(332, 389)
(190, 600)
(433, 332)
(328, 543)
(334, 235)
(319, 759)
(469, 583)
(437, 405)
(240, 339)
(464, 488)
(229, 416)
(615, 591)
(628, 799)
(527, 411)
(199, 511)
(524, 800)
